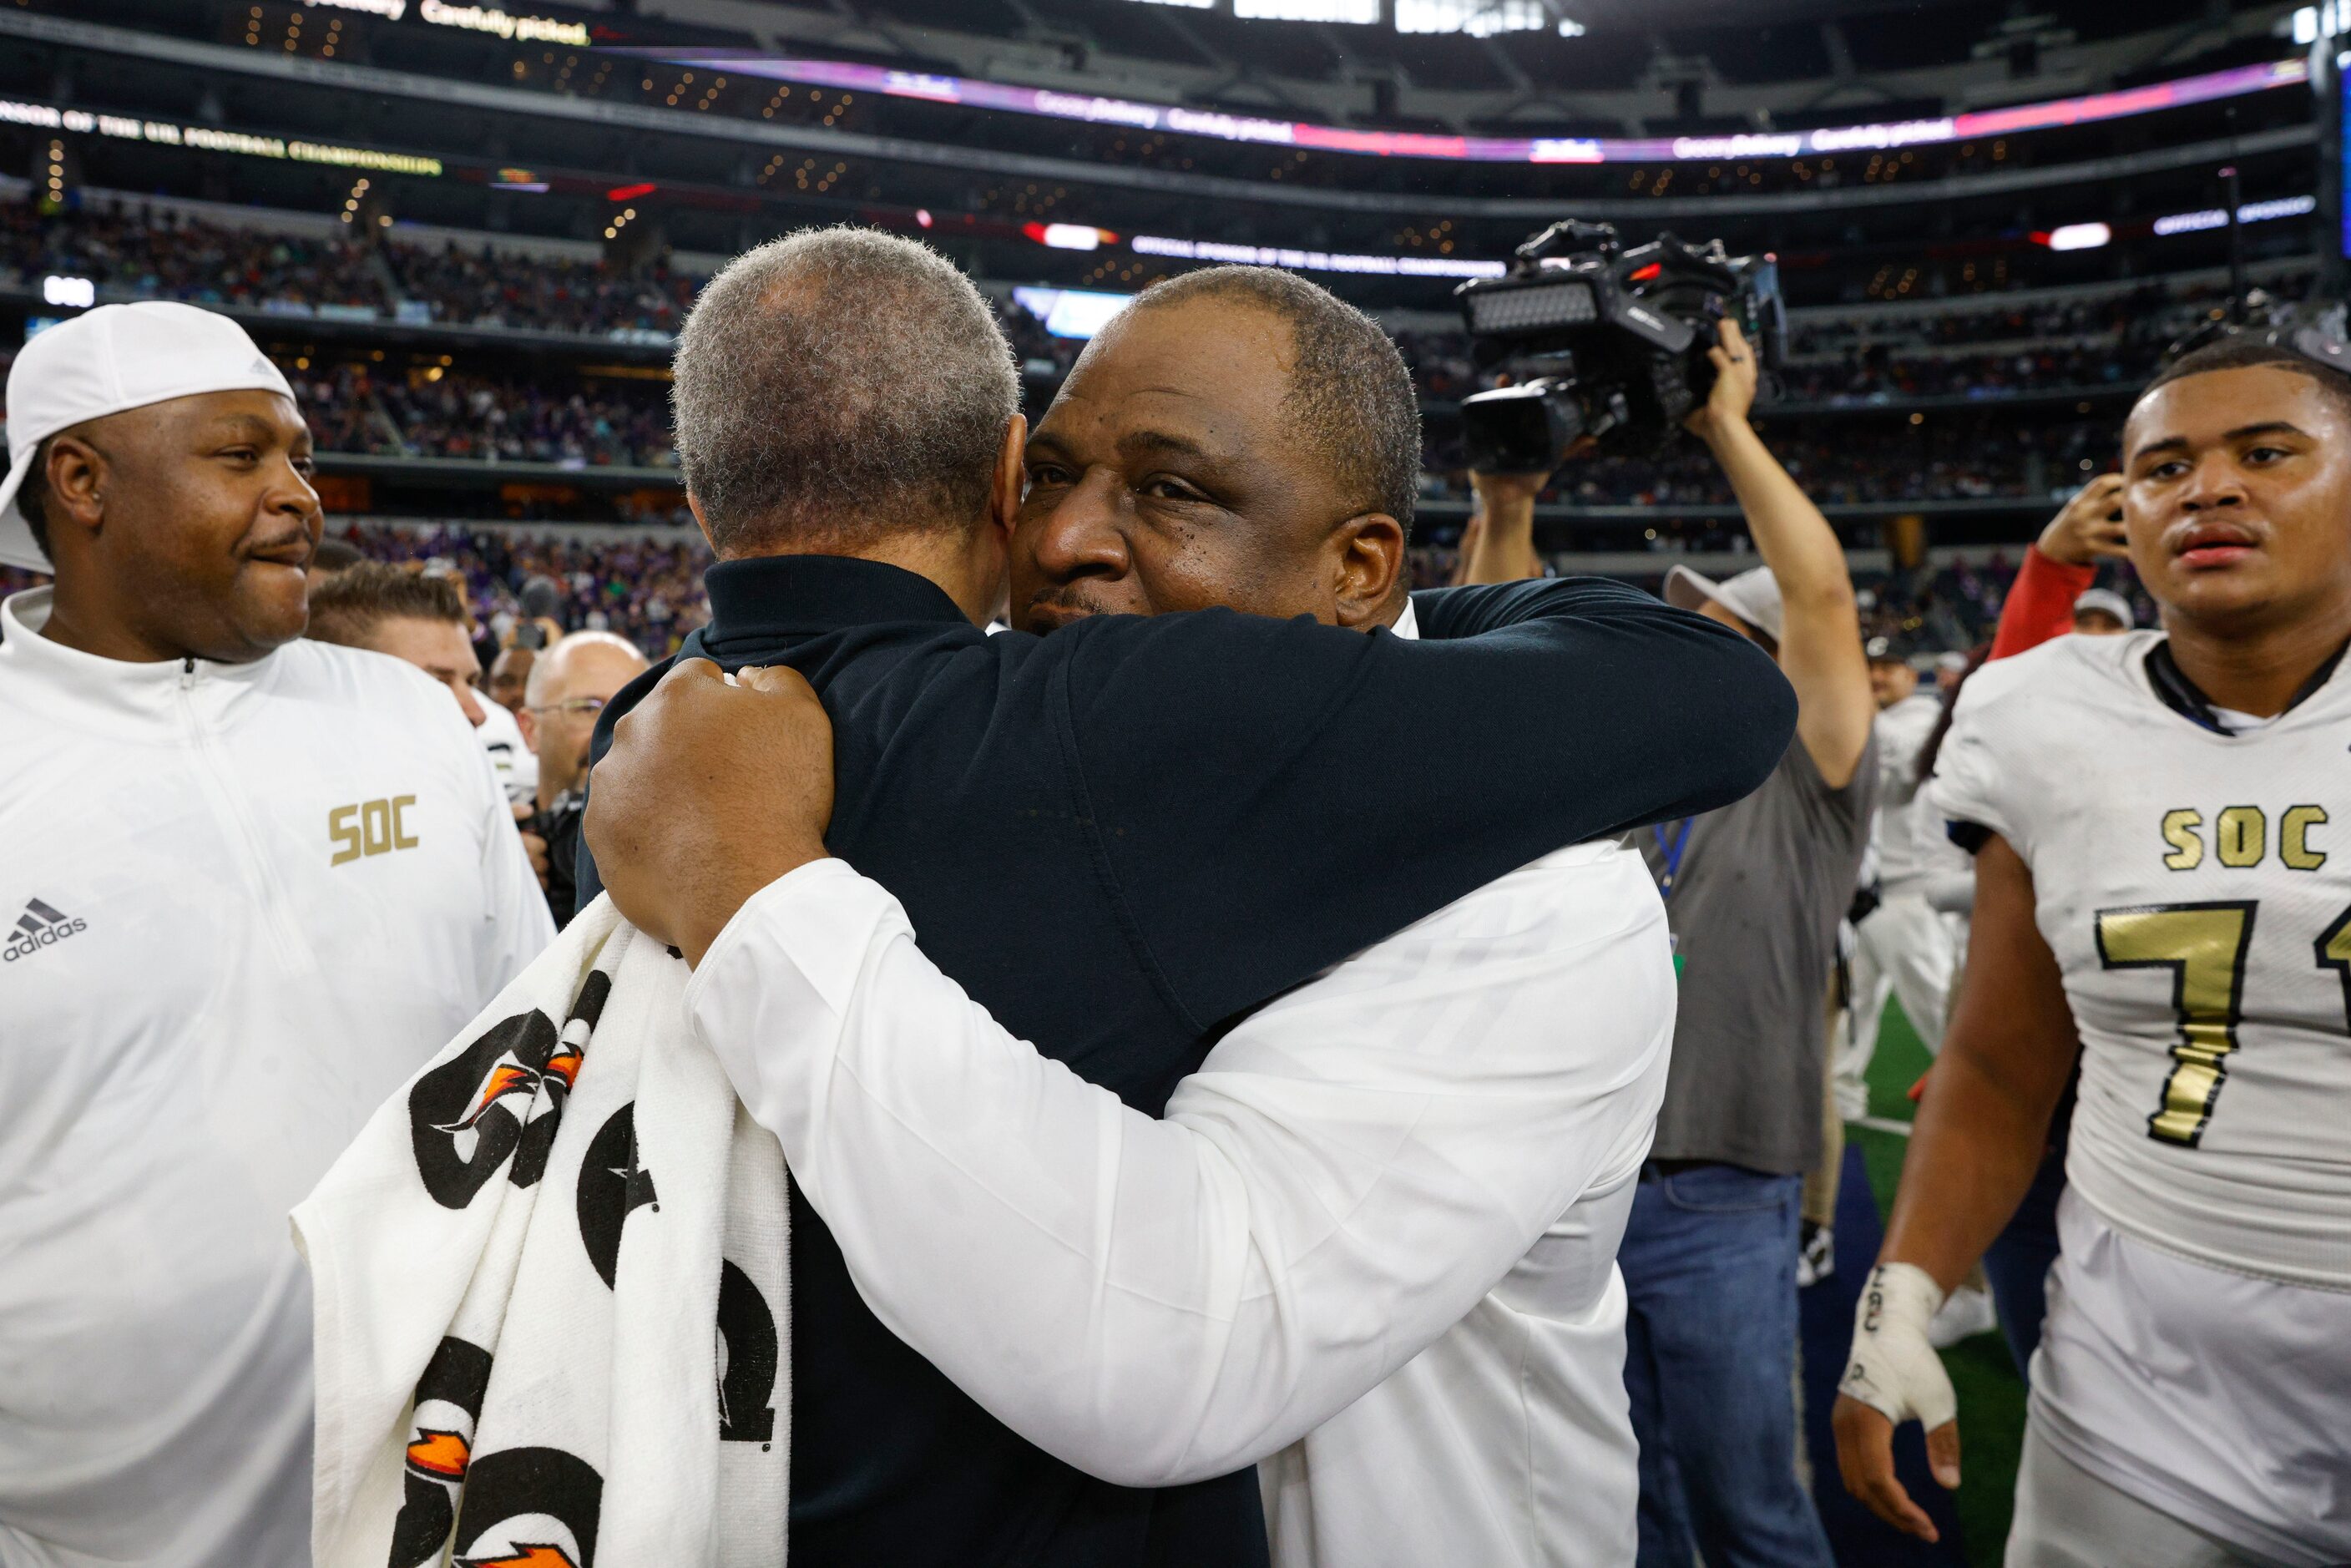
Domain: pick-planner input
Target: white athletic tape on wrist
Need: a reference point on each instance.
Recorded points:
(1895, 1368)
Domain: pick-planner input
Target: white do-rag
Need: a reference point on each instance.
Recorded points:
(552, 1292)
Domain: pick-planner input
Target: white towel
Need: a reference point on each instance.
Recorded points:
(552, 1312)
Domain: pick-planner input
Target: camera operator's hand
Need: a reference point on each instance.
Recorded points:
(1508, 492)
(2089, 525)
(1735, 374)
(1819, 640)
(1499, 545)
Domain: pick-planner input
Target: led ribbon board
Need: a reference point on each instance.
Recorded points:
(208, 139)
(966, 93)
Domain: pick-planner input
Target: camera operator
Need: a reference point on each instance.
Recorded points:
(1754, 893)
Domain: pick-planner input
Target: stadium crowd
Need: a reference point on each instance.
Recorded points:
(435, 412)
(647, 587)
(1023, 952)
(580, 423)
(136, 250)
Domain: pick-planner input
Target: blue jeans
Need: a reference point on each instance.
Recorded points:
(2018, 1263)
(1709, 1265)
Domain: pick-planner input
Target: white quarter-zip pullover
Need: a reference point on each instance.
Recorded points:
(242, 904)
(1449, 1123)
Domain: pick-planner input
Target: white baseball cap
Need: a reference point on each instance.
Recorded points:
(1754, 595)
(107, 359)
(2109, 600)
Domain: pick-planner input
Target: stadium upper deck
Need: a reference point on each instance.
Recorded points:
(525, 200)
(705, 134)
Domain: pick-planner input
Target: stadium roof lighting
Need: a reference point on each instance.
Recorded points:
(2079, 237)
(1313, 260)
(1069, 236)
(1361, 12)
(1224, 127)
(73, 293)
(1478, 18)
(2249, 212)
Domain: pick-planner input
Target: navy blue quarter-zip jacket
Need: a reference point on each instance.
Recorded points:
(1119, 838)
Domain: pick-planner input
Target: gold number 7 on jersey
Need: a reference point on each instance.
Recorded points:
(2204, 945)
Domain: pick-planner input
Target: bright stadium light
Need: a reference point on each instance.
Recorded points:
(1478, 18)
(1068, 236)
(2079, 237)
(1071, 312)
(1361, 12)
(73, 293)
(2315, 22)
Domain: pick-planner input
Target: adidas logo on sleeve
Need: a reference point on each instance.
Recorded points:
(39, 927)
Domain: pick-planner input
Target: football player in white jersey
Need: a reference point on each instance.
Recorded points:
(2163, 865)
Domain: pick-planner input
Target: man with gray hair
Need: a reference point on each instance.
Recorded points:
(809, 413)
(1119, 838)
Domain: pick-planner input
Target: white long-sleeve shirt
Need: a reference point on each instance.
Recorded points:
(1902, 732)
(241, 904)
(1373, 1242)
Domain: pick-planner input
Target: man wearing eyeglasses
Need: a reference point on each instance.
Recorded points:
(568, 685)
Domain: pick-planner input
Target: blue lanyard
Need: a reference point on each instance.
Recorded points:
(1670, 851)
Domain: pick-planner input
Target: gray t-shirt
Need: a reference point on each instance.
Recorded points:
(1754, 906)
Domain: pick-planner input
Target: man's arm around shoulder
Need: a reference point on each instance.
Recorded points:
(1158, 1302)
(1241, 772)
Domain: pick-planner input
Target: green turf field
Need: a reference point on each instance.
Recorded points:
(1991, 1399)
